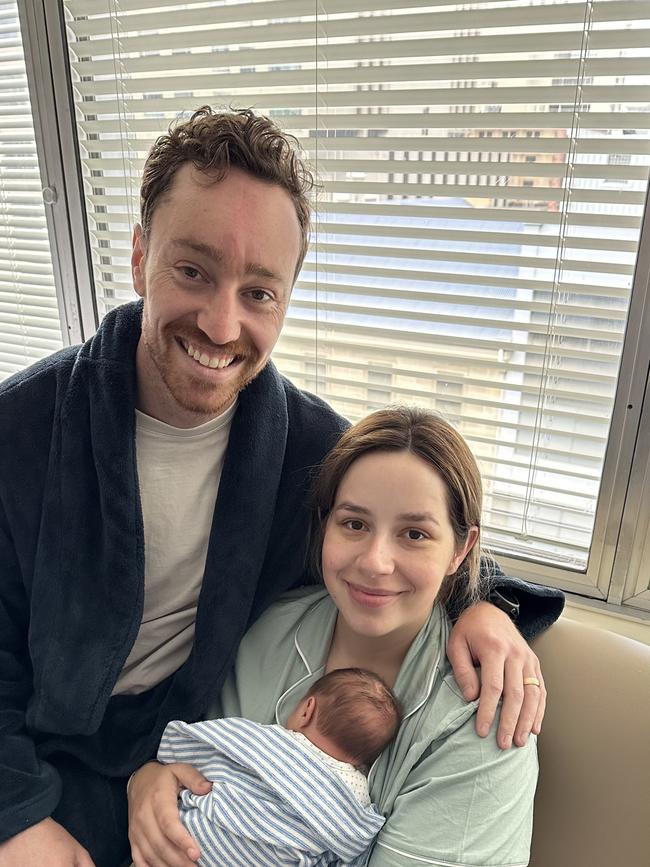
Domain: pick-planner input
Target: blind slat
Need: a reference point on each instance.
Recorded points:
(204, 17)
(309, 79)
(367, 336)
(419, 358)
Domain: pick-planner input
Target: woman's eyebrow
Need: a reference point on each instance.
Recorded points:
(418, 517)
(351, 507)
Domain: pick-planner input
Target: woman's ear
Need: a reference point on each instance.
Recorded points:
(459, 556)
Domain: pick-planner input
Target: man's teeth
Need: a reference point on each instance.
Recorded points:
(204, 359)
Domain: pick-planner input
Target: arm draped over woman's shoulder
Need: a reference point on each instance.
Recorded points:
(539, 606)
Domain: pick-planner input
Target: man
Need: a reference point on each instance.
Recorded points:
(152, 488)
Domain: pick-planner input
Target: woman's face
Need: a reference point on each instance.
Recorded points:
(389, 544)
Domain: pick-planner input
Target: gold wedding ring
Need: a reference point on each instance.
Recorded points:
(531, 681)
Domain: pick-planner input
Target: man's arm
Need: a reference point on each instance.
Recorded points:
(29, 789)
(485, 635)
(538, 606)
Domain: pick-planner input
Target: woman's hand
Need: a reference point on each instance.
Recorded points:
(156, 834)
(486, 636)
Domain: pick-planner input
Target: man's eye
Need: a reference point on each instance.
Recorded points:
(189, 271)
(260, 295)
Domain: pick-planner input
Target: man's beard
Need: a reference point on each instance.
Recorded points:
(201, 398)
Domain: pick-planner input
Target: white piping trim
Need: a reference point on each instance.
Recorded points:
(297, 632)
(425, 697)
(304, 662)
(300, 653)
(446, 863)
(286, 693)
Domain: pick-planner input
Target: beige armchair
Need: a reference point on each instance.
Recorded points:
(592, 807)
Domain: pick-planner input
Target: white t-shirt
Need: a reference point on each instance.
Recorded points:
(179, 470)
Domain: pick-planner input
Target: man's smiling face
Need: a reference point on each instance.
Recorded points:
(215, 272)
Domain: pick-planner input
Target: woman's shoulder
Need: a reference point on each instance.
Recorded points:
(293, 604)
(267, 661)
(281, 619)
(448, 718)
(450, 710)
(439, 759)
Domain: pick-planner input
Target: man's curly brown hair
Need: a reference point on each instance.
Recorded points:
(214, 142)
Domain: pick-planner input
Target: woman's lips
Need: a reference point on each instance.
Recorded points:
(369, 597)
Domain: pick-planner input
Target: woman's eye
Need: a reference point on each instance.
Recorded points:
(354, 524)
(415, 535)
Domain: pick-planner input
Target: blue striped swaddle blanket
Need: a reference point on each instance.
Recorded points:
(272, 804)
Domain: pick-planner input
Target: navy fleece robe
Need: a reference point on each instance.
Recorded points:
(72, 559)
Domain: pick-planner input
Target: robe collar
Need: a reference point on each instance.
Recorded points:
(91, 543)
(424, 661)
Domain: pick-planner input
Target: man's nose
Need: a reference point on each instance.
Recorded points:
(377, 557)
(220, 317)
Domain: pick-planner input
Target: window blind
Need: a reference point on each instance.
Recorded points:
(483, 168)
(29, 320)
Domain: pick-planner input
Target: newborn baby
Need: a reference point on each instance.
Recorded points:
(294, 795)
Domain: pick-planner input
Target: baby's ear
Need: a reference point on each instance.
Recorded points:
(305, 713)
(308, 710)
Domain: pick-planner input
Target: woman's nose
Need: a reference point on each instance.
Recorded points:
(377, 556)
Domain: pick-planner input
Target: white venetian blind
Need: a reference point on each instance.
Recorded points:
(484, 167)
(29, 320)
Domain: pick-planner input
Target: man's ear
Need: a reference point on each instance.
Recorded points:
(137, 260)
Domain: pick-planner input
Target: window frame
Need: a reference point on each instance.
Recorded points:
(45, 50)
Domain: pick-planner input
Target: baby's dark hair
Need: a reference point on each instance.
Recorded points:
(358, 711)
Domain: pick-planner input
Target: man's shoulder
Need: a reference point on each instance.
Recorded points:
(28, 402)
(109, 353)
(28, 398)
(40, 375)
(312, 418)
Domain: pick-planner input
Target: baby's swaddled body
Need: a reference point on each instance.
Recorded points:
(274, 800)
(294, 796)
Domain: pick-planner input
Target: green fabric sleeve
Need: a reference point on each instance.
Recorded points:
(465, 803)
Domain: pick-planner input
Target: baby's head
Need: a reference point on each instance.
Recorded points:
(350, 714)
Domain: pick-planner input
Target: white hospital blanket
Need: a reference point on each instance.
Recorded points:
(272, 803)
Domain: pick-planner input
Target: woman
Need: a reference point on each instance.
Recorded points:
(397, 532)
